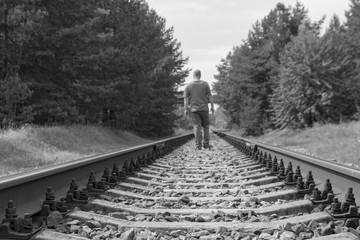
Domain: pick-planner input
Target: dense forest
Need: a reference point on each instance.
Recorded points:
(110, 62)
(290, 73)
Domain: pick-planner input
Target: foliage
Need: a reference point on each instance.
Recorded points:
(312, 70)
(286, 74)
(247, 75)
(109, 62)
(352, 46)
(13, 93)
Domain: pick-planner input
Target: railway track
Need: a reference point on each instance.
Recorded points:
(167, 190)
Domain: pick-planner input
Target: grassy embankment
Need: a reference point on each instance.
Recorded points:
(33, 147)
(338, 143)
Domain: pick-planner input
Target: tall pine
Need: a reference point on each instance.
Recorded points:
(253, 68)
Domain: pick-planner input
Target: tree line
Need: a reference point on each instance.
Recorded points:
(112, 62)
(288, 73)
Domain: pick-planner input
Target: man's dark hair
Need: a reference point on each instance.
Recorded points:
(197, 74)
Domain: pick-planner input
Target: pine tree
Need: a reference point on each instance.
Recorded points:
(19, 24)
(310, 88)
(109, 62)
(352, 43)
(253, 67)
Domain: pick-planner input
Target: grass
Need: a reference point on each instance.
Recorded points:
(338, 143)
(33, 147)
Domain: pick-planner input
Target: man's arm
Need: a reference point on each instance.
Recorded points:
(210, 98)
(211, 103)
(186, 101)
(186, 104)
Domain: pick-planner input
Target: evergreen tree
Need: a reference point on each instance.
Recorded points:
(253, 68)
(310, 88)
(19, 23)
(351, 40)
(109, 62)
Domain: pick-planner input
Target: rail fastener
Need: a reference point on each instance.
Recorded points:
(15, 227)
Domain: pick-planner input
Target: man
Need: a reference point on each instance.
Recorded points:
(197, 95)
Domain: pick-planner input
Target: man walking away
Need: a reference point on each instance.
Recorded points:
(197, 95)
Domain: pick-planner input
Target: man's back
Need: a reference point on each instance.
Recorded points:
(198, 92)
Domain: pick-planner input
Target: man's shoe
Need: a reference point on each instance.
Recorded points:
(207, 146)
(198, 148)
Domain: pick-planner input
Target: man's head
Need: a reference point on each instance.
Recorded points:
(197, 74)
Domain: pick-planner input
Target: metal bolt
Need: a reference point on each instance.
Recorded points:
(281, 173)
(327, 189)
(61, 206)
(11, 210)
(114, 178)
(289, 168)
(102, 184)
(300, 184)
(336, 206)
(50, 194)
(290, 177)
(349, 197)
(309, 179)
(92, 178)
(281, 164)
(316, 194)
(73, 185)
(83, 194)
(115, 170)
(269, 162)
(275, 165)
(297, 173)
(106, 174)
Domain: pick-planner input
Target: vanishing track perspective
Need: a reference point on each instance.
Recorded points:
(167, 190)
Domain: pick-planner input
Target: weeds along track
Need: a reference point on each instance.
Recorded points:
(235, 190)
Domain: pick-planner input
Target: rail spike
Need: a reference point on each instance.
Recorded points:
(309, 179)
(275, 169)
(115, 170)
(325, 197)
(52, 203)
(347, 209)
(327, 189)
(15, 227)
(94, 187)
(111, 179)
(349, 200)
(269, 162)
(290, 178)
(76, 196)
(289, 168)
(297, 173)
(281, 165)
(281, 174)
(264, 160)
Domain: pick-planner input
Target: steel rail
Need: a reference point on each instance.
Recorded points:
(341, 176)
(28, 189)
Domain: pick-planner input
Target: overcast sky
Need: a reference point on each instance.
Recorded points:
(209, 29)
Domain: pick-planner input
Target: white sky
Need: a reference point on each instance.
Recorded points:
(209, 29)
